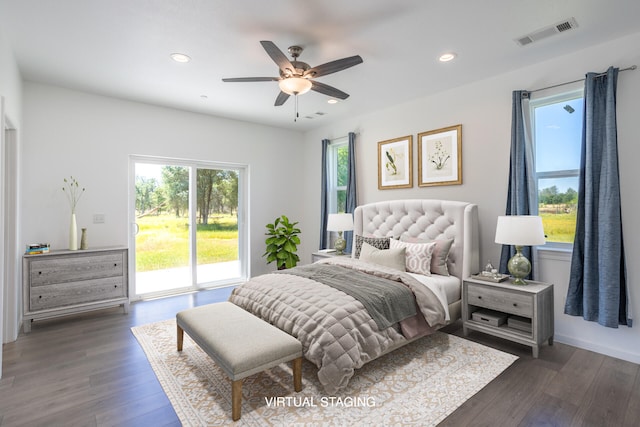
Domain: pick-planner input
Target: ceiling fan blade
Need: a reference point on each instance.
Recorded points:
(281, 99)
(328, 90)
(252, 79)
(334, 66)
(277, 55)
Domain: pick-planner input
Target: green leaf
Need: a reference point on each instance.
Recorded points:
(289, 247)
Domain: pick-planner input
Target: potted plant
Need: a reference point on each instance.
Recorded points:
(282, 243)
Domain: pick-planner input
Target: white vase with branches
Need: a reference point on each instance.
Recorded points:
(73, 192)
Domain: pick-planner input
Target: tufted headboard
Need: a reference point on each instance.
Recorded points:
(426, 219)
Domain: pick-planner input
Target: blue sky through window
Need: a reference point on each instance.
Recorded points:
(558, 133)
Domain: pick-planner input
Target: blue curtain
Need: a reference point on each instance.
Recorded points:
(324, 197)
(351, 199)
(598, 282)
(522, 193)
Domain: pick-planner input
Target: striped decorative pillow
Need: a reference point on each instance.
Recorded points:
(417, 256)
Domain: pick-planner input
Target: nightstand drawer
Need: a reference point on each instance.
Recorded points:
(508, 302)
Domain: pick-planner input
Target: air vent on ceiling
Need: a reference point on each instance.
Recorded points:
(560, 27)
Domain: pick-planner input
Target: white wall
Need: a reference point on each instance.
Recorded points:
(484, 110)
(91, 137)
(10, 82)
(11, 94)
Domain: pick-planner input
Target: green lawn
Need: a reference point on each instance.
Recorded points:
(559, 227)
(163, 241)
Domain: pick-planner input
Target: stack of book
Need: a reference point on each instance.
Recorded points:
(37, 248)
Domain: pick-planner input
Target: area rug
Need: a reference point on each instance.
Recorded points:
(418, 384)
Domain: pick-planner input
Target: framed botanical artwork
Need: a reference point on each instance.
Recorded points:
(440, 157)
(395, 163)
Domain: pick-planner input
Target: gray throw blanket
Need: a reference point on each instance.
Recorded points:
(387, 302)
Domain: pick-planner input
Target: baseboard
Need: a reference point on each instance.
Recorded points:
(608, 351)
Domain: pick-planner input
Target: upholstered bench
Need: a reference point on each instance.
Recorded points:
(240, 343)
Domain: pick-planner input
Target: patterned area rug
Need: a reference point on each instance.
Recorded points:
(418, 384)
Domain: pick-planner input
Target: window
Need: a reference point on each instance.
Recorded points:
(338, 167)
(557, 133)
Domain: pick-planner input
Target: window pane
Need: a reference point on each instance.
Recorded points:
(342, 201)
(343, 165)
(557, 205)
(217, 243)
(557, 133)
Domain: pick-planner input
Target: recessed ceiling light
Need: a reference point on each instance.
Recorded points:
(332, 101)
(204, 96)
(180, 57)
(446, 57)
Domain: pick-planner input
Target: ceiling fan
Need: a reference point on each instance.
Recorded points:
(296, 77)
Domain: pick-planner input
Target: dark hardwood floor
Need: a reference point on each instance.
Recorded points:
(89, 370)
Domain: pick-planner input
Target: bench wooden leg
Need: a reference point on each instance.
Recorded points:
(297, 374)
(236, 399)
(180, 336)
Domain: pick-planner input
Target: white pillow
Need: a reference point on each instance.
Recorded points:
(418, 256)
(392, 258)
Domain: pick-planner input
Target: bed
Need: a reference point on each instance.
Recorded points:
(325, 306)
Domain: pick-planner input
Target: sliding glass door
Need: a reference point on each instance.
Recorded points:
(217, 232)
(188, 230)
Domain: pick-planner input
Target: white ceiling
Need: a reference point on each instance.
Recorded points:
(121, 47)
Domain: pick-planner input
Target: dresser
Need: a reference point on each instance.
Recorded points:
(66, 282)
(523, 314)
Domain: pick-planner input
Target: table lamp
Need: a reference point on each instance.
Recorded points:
(519, 231)
(340, 222)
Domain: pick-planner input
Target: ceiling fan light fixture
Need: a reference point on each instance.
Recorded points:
(295, 85)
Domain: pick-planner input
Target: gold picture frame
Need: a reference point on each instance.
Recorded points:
(395, 163)
(440, 157)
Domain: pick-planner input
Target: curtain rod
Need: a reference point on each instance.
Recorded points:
(341, 137)
(633, 67)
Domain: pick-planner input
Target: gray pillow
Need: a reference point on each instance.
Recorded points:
(392, 258)
(376, 242)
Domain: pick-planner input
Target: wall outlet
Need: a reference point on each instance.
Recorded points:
(98, 218)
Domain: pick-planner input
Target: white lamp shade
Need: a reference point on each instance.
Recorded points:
(295, 85)
(340, 222)
(520, 230)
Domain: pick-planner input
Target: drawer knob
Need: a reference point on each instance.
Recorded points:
(115, 265)
(115, 286)
(39, 272)
(39, 296)
(480, 297)
(515, 304)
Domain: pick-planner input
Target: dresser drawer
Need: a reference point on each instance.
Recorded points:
(73, 293)
(508, 302)
(52, 270)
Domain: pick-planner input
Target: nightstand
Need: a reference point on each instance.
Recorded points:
(316, 256)
(522, 314)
